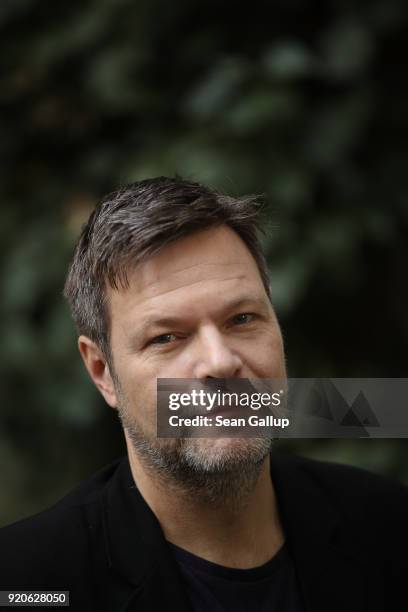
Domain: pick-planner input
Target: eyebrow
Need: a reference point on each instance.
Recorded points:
(169, 322)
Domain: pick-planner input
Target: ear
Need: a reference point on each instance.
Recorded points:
(98, 369)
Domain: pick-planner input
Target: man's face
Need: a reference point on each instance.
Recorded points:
(198, 309)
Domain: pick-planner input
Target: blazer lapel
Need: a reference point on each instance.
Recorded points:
(147, 576)
(333, 571)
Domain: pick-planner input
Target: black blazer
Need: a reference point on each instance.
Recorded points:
(346, 529)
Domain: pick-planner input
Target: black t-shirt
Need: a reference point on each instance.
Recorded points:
(267, 588)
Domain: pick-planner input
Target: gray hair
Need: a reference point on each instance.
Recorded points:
(135, 222)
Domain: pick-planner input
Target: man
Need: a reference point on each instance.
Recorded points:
(168, 281)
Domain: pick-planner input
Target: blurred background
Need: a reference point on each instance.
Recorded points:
(305, 102)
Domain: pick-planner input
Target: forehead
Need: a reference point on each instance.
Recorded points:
(215, 259)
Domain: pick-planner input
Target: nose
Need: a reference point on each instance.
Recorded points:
(215, 358)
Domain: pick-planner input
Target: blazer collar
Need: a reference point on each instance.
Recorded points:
(137, 550)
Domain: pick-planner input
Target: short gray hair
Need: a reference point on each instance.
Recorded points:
(134, 223)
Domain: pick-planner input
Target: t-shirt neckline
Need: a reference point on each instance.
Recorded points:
(190, 560)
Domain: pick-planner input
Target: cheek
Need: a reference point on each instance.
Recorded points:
(140, 397)
(177, 363)
(135, 382)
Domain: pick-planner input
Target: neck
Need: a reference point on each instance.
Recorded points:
(241, 532)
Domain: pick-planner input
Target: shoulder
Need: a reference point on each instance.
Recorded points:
(51, 546)
(353, 489)
(335, 474)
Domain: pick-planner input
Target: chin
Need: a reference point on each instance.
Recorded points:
(225, 454)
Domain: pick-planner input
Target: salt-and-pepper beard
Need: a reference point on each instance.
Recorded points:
(192, 467)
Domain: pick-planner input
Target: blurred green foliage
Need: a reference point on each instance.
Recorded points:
(303, 101)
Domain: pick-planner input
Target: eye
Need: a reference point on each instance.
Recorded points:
(242, 318)
(163, 339)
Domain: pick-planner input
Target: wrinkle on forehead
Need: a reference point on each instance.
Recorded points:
(156, 290)
(184, 269)
(165, 280)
